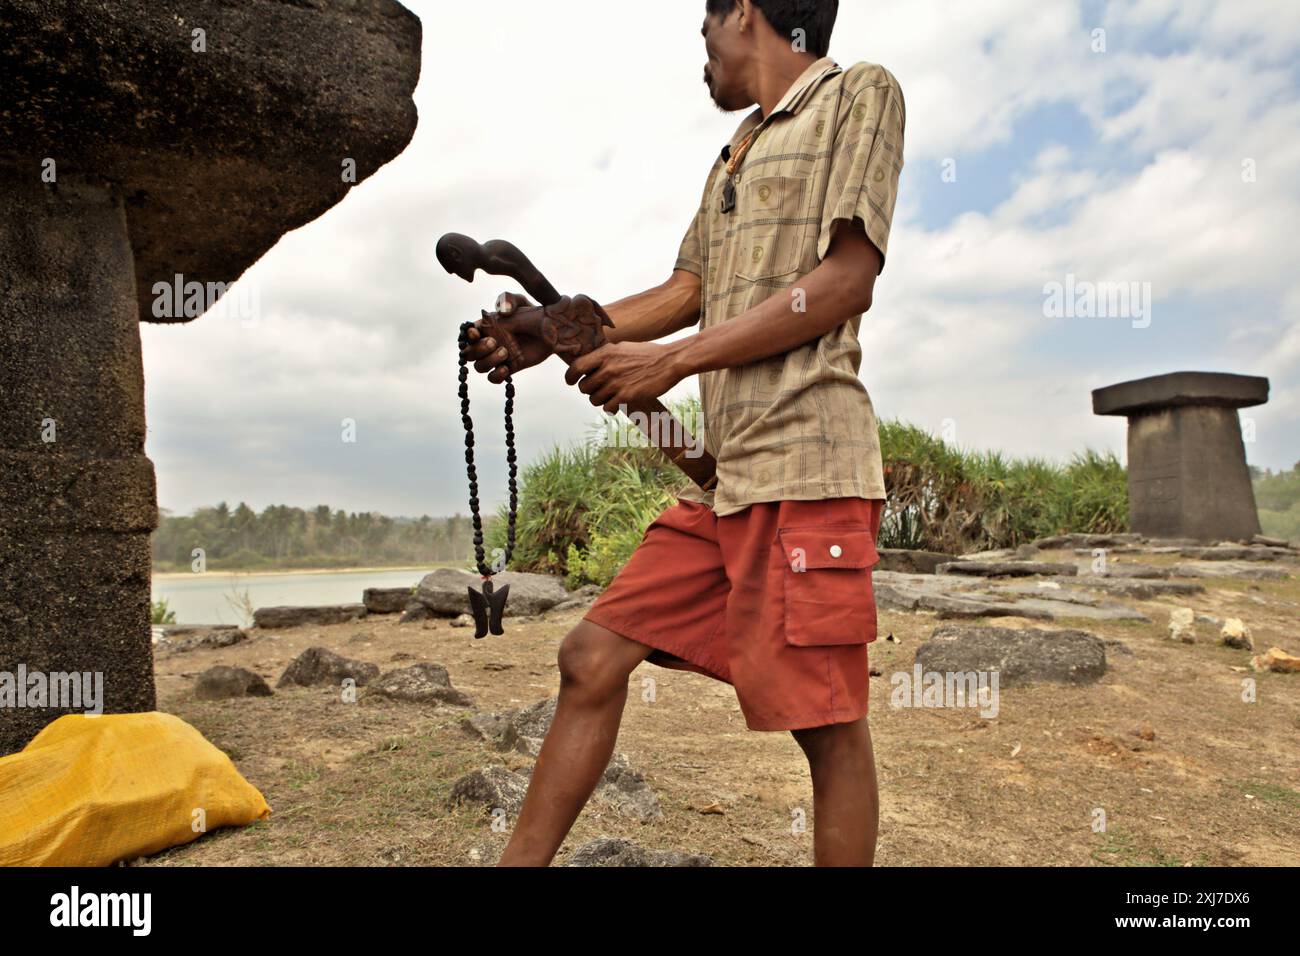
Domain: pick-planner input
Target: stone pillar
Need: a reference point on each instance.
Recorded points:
(1187, 473)
(78, 491)
(142, 140)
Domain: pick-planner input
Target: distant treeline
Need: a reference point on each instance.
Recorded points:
(240, 539)
(1277, 494)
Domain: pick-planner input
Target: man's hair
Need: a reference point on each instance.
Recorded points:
(815, 17)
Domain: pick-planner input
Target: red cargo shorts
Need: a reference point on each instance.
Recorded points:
(775, 600)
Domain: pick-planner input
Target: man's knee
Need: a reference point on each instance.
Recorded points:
(833, 738)
(596, 659)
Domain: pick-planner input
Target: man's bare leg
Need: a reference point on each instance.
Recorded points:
(846, 806)
(594, 667)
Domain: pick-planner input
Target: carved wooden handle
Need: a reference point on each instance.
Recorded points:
(462, 256)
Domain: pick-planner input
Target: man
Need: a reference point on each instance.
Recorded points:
(764, 583)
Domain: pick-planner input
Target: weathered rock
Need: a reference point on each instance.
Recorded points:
(954, 596)
(1182, 625)
(1273, 542)
(1276, 660)
(319, 665)
(386, 600)
(1007, 568)
(1117, 569)
(181, 639)
(486, 727)
(1236, 553)
(1245, 570)
(144, 142)
(1144, 589)
(1019, 656)
(536, 720)
(464, 620)
(627, 791)
(1187, 473)
(415, 612)
(271, 618)
(421, 684)
(221, 682)
(1087, 541)
(1236, 634)
(611, 851)
(910, 561)
(494, 788)
(445, 591)
(624, 790)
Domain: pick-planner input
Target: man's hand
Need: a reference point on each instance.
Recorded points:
(625, 373)
(491, 357)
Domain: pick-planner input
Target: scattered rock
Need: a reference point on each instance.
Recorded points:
(520, 730)
(1182, 625)
(1116, 569)
(625, 790)
(463, 621)
(954, 596)
(221, 682)
(1087, 541)
(1276, 660)
(1248, 570)
(277, 617)
(1019, 656)
(1268, 542)
(910, 561)
(421, 684)
(180, 639)
(445, 592)
(493, 788)
(1236, 634)
(612, 851)
(318, 665)
(1140, 588)
(992, 569)
(386, 600)
(1235, 553)
(415, 611)
(489, 728)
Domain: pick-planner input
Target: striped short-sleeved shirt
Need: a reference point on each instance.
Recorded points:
(797, 426)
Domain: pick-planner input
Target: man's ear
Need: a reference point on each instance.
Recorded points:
(746, 8)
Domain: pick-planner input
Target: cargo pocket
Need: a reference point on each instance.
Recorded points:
(773, 246)
(828, 594)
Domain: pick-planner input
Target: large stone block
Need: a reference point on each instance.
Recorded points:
(1187, 472)
(141, 140)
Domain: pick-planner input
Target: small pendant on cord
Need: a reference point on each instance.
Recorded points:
(728, 196)
(488, 607)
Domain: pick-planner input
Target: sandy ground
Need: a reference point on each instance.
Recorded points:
(1185, 771)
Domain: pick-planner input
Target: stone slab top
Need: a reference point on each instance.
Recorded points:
(1175, 389)
(221, 125)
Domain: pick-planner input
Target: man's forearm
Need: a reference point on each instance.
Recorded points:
(663, 310)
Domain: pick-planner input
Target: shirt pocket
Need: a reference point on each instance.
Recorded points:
(828, 594)
(773, 209)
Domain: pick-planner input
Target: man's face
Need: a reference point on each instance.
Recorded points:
(728, 57)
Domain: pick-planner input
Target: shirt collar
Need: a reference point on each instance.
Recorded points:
(794, 100)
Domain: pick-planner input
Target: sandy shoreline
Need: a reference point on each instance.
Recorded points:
(424, 569)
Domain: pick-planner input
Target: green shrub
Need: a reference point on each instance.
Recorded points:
(160, 613)
(584, 509)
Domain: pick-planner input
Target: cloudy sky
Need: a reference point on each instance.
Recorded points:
(1171, 158)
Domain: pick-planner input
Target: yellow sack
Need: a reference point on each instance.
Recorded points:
(89, 791)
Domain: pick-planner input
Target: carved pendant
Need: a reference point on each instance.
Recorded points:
(488, 608)
(729, 196)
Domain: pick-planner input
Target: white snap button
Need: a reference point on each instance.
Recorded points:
(836, 551)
